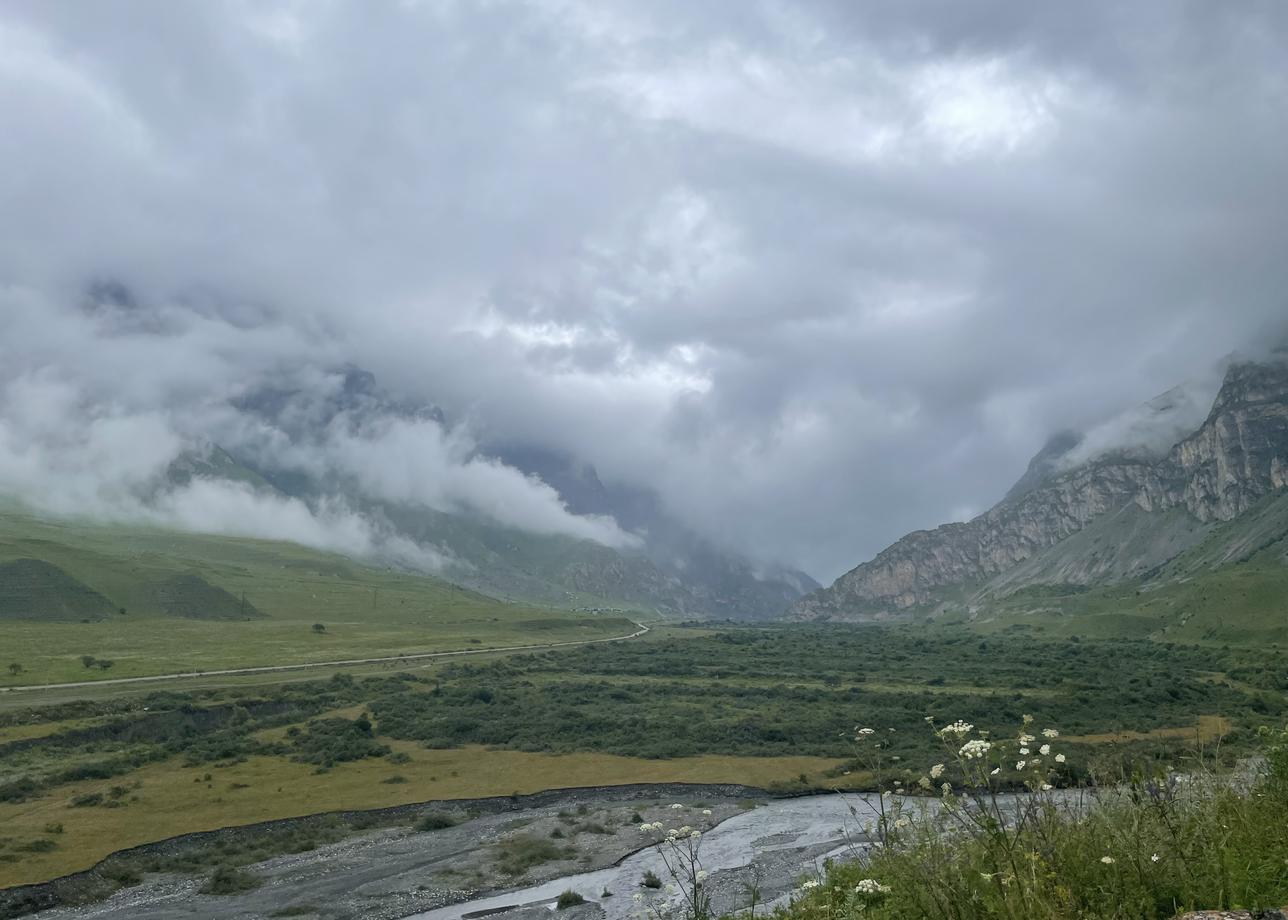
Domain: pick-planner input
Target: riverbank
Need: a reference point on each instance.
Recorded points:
(383, 867)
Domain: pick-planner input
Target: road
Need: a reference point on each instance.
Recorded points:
(346, 662)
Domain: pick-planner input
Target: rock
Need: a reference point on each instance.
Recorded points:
(1270, 914)
(1237, 456)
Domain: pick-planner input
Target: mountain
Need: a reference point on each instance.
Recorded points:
(1122, 513)
(673, 570)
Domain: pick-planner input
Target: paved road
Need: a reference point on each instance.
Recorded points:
(323, 664)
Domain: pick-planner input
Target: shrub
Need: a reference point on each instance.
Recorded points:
(650, 880)
(436, 821)
(517, 855)
(231, 880)
(569, 899)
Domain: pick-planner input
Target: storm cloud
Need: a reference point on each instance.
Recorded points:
(817, 272)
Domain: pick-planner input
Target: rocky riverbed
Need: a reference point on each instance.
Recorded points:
(514, 862)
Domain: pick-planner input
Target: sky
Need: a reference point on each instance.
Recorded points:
(819, 272)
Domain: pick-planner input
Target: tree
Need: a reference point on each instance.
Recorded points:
(88, 661)
(104, 664)
(319, 628)
(15, 669)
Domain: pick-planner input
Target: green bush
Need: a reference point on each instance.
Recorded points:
(436, 821)
(569, 899)
(231, 880)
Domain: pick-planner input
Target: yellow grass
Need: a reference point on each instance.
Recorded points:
(170, 802)
(1206, 730)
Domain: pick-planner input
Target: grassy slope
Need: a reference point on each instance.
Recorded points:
(1230, 587)
(367, 612)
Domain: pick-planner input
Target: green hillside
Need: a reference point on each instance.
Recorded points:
(204, 602)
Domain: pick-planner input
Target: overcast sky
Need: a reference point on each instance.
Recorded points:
(820, 272)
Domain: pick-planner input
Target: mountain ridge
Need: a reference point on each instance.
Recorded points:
(1236, 457)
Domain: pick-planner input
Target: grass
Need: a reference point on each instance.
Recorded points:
(1146, 847)
(170, 802)
(367, 612)
(762, 706)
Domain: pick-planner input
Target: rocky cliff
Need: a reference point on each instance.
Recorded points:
(1235, 458)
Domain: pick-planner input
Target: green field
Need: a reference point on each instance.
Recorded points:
(151, 574)
(774, 707)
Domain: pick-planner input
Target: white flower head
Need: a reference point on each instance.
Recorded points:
(677, 805)
(1044, 750)
(1019, 765)
(958, 728)
(871, 886)
(994, 771)
(937, 771)
(1059, 758)
(1155, 858)
(809, 883)
(706, 811)
(1050, 733)
(1107, 860)
(974, 749)
(1024, 751)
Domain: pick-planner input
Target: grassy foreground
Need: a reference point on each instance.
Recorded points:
(1145, 847)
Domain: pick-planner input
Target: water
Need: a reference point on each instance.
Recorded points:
(816, 827)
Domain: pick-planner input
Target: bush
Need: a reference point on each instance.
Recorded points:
(436, 821)
(231, 880)
(517, 855)
(650, 880)
(569, 899)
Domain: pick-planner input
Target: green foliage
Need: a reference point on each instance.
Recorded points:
(436, 821)
(327, 742)
(793, 691)
(231, 880)
(1148, 848)
(650, 880)
(569, 899)
(516, 855)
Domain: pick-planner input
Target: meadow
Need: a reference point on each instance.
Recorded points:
(771, 707)
(241, 603)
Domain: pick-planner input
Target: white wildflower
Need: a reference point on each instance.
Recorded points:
(694, 835)
(1107, 860)
(866, 731)
(809, 883)
(1050, 733)
(1155, 858)
(1027, 739)
(702, 875)
(1046, 787)
(1024, 751)
(974, 749)
(871, 886)
(1059, 758)
(1044, 750)
(1019, 765)
(957, 728)
(677, 805)
(937, 771)
(706, 811)
(994, 771)
(945, 789)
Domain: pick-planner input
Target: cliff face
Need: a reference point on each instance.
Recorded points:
(1238, 456)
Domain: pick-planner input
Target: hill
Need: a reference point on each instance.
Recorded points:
(152, 601)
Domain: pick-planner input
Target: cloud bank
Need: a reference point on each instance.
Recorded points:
(818, 272)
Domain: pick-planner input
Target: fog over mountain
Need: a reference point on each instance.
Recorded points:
(811, 275)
